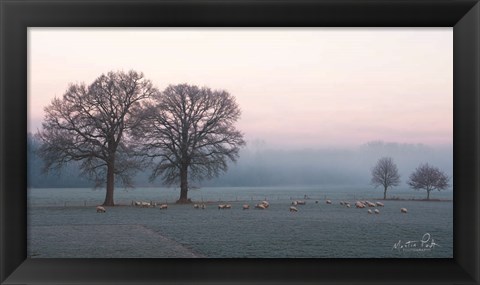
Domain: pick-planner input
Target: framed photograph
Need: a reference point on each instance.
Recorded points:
(280, 142)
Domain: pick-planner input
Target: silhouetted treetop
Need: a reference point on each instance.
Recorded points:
(427, 177)
(385, 173)
(191, 131)
(91, 124)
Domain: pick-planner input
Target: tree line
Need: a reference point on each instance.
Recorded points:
(425, 177)
(67, 177)
(121, 124)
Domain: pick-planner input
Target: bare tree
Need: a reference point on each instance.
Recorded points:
(190, 134)
(385, 173)
(90, 124)
(428, 178)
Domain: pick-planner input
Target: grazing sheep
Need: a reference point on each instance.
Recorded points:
(138, 204)
(101, 209)
(369, 211)
(359, 204)
(163, 207)
(260, 206)
(328, 201)
(377, 211)
(145, 204)
(224, 206)
(246, 207)
(293, 209)
(348, 205)
(301, 202)
(380, 204)
(196, 206)
(370, 204)
(342, 203)
(403, 210)
(294, 203)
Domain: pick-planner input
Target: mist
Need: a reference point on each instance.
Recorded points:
(260, 165)
(263, 165)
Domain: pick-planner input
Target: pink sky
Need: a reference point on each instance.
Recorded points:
(297, 87)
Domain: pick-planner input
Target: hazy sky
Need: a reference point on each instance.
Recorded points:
(297, 87)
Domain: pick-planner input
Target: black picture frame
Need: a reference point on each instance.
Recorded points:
(17, 16)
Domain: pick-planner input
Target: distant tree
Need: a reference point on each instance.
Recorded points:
(190, 132)
(385, 173)
(90, 124)
(428, 178)
(65, 178)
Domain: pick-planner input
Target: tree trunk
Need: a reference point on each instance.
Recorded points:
(183, 185)
(428, 194)
(110, 183)
(385, 194)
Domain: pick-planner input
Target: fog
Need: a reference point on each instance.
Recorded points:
(263, 165)
(260, 165)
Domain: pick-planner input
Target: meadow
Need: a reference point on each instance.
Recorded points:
(63, 223)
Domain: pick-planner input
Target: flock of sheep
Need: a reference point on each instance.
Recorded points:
(358, 204)
(264, 205)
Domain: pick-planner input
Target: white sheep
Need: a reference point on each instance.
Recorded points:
(163, 207)
(224, 206)
(328, 201)
(359, 204)
(377, 211)
(101, 209)
(246, 207)
(260, 206)
(403, 210)
(369, 211)
(380, 204)
(293, 209)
